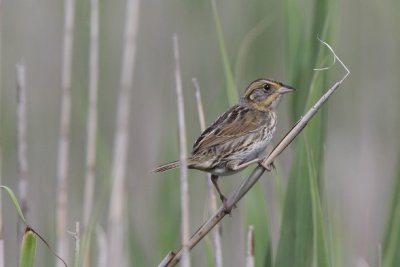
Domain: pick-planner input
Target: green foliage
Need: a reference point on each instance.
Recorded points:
(391, 240)
(320, 252)
(28, 249)
(302, 238)
(14, 201)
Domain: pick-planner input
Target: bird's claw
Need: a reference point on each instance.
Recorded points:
(227, 209)
(268, 167)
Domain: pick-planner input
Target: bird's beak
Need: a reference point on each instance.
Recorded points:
(286, 89)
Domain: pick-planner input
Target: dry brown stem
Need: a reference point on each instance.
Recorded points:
(91, 130)
(212, 200)
(22, 147)
(65, 120)
(117, 254)
(185, 262)
(250, 247)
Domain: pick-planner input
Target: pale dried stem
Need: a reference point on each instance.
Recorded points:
(65, 120)
(212, 200)
(250, 247)
(102, 247)
(22, 147)
(117, 255)
(166, 259)
(245, 186)
(91, 130)
(1, 216)
(1, 211)
(184, 188)
(76, 236)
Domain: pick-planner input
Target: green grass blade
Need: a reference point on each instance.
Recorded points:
(298, 65)
(391, 240)
(14, 201)
(231, 89)
(301, 225)
(297, 230)
(320, 249)
(296, 237)
(28, 249)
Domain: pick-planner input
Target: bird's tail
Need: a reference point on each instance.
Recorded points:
(167, 166)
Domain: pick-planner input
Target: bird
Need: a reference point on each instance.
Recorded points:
(240, 136)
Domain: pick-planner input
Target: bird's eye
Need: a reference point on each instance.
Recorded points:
(266, 87)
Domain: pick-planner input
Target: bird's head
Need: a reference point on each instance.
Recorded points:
(264, 94)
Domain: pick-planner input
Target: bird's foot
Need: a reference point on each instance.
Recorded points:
(227, 209)
(268, 167)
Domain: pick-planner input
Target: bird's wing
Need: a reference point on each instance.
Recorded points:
(237, 122)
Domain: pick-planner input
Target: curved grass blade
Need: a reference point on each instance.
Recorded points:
(21, 216)
(15, 202)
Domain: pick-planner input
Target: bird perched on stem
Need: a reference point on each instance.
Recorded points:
(240, 136)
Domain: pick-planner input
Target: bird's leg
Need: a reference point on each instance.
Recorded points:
(270, 167)
(214, 180)
(235, 167)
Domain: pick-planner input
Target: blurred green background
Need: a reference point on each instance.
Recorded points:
(337, 184)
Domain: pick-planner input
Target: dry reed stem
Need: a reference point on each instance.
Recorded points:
(22, 147)
(101, 247)
(184, 188)
(117, 255)
(76, 236)
(1, 211)
(247, 183)
(250, 247)
(212, 200)
(65, 120)
(1, 216)
(91, 130)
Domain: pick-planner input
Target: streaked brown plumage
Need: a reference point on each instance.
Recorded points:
(240, 136)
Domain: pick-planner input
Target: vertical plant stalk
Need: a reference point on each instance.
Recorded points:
(212, 201)
(117, 255)
(185, 223)
(65, 121)
(250, 247)
(1, 214)
(173, 258)
(77, 243)
(91, 130)
(22, 147)
(76, 236)
(1, 211)
(101, 247)
(1, 170)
